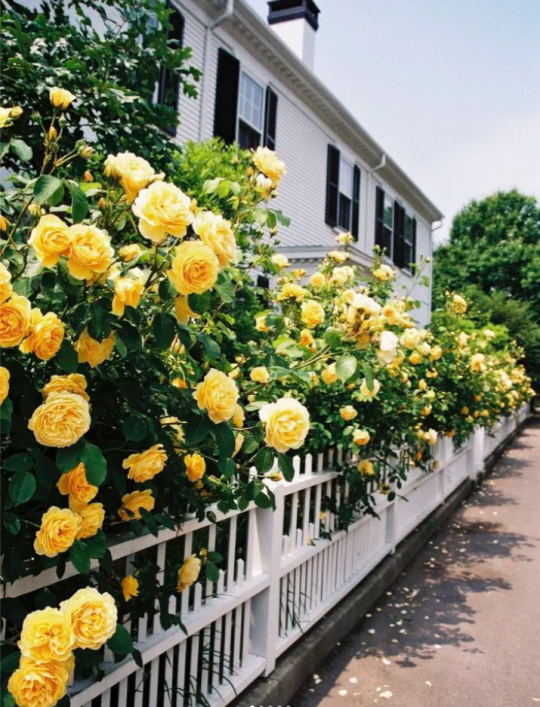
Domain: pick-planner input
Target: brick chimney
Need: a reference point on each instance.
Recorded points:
(296, 22)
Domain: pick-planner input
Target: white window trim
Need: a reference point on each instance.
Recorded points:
(238, 116)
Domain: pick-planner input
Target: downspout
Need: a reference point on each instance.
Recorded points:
(228, 11)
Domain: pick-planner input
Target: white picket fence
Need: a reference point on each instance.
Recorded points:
(293, 566)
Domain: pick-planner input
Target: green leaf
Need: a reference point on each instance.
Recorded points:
(200, 303)
(21, 149)
(227, 467)
(197, 429)
(225, 289)
(346, 367)
(264, 459)
(10, 663)
(19, 462)
(66, 358)
(12, 523)
(212, 572)
(98, 315)
(163, 329)
(79, 555)
(263, 501)
(6, 410)
(332, 337)
(95, 464)
(68, 458)
(134, 428)
(224, 438)
(210, 185)
(211, 347)
(22, 487)
(96, 546)
(370, 377)
(48, 189)
(79, 203)
(286, 467)
(4, 148)
(120, 642)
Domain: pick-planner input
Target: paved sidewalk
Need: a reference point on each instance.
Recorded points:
(461, 627)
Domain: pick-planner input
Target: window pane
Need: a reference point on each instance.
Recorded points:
(346, 178)
(251, 102)
(344, 216)
(388, 213)
(248, 138)
(408, 229)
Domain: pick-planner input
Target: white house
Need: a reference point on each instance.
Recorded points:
(258, 87)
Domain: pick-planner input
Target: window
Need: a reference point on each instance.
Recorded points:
(250, 112)
(244, 110)
(342, 192)
(409, 249)
(384, 221)
(168, 85)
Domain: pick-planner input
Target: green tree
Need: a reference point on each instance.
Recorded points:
(493, 257)
(109, 53)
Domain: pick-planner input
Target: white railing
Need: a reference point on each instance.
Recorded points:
(282, 571)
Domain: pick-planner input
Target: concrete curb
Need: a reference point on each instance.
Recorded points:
(299, 661)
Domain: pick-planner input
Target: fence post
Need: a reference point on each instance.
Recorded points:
(267, 559)
(478, 453)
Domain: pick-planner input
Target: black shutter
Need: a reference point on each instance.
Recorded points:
(169, 84)
(413, 243)
(228, 75)
(356, 203)
(399, 235)
(332, 186)
(270, 119)
(379, 217)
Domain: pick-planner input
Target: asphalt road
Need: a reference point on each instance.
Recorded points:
(461, 627)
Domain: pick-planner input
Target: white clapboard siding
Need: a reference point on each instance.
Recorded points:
(295, 565)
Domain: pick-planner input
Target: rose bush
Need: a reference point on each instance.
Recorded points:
(144, 376)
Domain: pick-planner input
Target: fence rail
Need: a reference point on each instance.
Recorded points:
(293, 566)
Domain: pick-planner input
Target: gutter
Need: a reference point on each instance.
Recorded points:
(225, 15)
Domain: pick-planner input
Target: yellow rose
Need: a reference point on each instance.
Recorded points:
(134, 173)
(435, 353)
(5, 283)
(216, 232)
(415, 358)
(286, 424)
(361, 437)
(424, 348)
(238, 442)
(238, 416)
(329, 375)
(342, 275)
(182, 310)
(61, 420)
(306, 339)
(431, 437)
(366, 468)
(163, 209)
(92, 517)
(317, 280)
(89, 251)
(366, 392)
(344, 238)
(260, 324)
(260, 375)
(60, 97)
(91, 351)
(312, 313)
(410, 339)
(75, 485)
(194, 268)
(45, 336)
(50, 240)
(72, 383)
(338, 255)
(39, 684)
(144, 466)
(58, 531)
(93, 617)
(459, 304)
(4, 383)
(46, 635)
(478, 363)
(129, 252)
(15, 320)
(348, 413)
(130, 587)
(195, 466)
(179, 383)
(384, 273)
(280, 261)
(188, 573)
(128, 291)
(268, 163)
(290, 290)
(133, 502)
(218, 395)
(5, 120)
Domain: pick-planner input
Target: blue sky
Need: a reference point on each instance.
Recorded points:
(450, 88)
